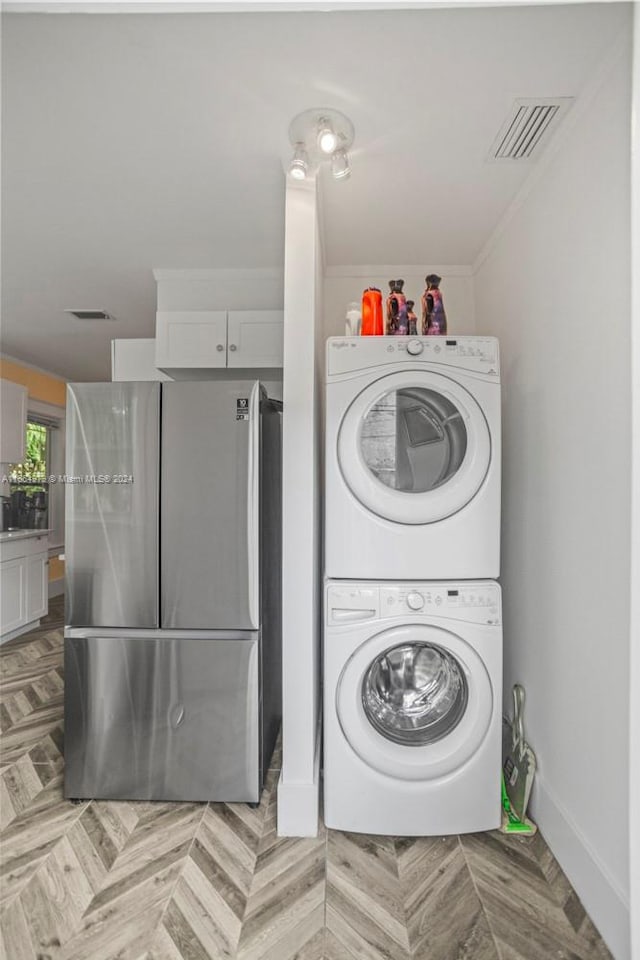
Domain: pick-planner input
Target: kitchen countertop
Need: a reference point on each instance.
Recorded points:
(22, 534)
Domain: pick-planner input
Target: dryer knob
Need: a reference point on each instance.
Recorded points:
(415, 601)
(414, 347)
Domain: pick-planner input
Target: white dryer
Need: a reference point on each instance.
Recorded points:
(412, 458)
(412, 707)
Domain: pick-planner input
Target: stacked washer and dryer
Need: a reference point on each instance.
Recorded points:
(413, 625)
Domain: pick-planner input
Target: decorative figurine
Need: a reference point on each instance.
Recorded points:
(433, 314)
(397, 319)
(413, 320)
(372, 324)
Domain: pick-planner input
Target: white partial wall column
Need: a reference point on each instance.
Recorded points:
(553, 284)
(298, 791)
(634, 723)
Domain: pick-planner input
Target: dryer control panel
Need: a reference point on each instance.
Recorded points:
(472, 601)
(478, 355)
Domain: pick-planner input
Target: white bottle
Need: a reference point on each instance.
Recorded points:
(353, 320)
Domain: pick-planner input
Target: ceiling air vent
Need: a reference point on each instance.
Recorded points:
(530, 124)
(91, 314)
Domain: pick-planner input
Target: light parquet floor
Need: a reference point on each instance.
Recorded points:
(179, 881)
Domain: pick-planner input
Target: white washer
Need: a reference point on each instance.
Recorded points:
(412, 707)
(412, 458)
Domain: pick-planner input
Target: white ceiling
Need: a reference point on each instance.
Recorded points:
(132, 142)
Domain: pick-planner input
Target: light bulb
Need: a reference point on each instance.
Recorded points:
(327, 138)
(299, 164)
(340, 167)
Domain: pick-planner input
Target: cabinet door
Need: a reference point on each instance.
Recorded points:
(13, 425)
(255, 338)
(13, 584)
(37, 587)
(135, 360)
(191, 338)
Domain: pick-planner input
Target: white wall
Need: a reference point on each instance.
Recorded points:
(554, 287)
(344, 284)
(298, 790)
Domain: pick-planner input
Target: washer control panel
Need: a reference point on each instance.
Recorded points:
(474, 601)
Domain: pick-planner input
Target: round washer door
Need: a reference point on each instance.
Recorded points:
(414, 447)
(414, 702)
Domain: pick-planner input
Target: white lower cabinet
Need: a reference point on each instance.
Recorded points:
(24, 583)
(13, 594)
(37, 586)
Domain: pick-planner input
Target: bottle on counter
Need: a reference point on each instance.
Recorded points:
(397, 319)
(353, 320)
(372, 323)
(434, 319)
(412, 318)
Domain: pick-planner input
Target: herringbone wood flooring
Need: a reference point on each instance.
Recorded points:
(179, 881)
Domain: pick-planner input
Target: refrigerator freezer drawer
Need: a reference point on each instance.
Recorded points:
(162, 718)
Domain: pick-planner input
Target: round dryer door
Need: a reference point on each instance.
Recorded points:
(414, 447)
(415, 702)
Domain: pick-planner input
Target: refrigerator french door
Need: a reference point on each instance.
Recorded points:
(172, 636)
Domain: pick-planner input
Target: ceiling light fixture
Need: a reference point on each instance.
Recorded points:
(299, 166)
(327, 137)
(318, 135)
(340, 166)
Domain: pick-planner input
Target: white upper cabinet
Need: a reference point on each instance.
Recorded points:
(135, 360)
(13, 424)
(213, 339)
(191, 338)
(254, 338)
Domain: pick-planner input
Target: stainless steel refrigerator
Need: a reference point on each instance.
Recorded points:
(173, 590)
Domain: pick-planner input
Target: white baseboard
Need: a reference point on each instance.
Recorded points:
(599, 892)
(299, 803)
(56, 587)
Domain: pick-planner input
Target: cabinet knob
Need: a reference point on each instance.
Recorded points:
(232, 346)
(219, 348)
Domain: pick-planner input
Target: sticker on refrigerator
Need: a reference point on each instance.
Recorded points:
(242, 408)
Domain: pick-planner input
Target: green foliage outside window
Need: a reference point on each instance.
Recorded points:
(34, 466)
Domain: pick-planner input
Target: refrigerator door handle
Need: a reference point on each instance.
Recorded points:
(253, 501)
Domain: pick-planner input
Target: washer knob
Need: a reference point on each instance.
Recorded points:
(414, 347)
(415, 601)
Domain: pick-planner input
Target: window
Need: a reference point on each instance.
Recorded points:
(29, 482)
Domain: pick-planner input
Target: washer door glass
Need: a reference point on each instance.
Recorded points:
(414, 447)
(413, 439)
(414, 693)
